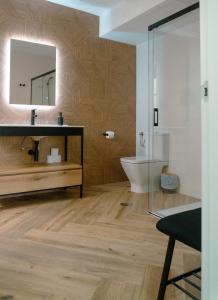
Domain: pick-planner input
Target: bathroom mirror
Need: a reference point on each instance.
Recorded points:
(32, 73)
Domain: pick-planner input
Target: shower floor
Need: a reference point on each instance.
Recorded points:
(161, 200)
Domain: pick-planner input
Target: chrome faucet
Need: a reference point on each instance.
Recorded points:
(33, 116)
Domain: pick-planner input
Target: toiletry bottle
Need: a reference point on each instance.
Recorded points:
(60, 119)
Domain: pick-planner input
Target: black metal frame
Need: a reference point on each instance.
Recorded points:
(82, 161)
(174, 16)
(45, 130)
(165, 275)
(81, 155)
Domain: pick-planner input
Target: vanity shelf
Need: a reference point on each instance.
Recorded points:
(39, 176)
(42, 176)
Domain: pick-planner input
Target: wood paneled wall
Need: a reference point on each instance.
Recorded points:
(96, 86)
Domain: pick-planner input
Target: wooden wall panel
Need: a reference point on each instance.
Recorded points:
(96, 86)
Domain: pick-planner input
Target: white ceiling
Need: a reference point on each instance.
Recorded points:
(102, 3)
(111, 3)
(96, 7)
(131, 31)
(135, 30)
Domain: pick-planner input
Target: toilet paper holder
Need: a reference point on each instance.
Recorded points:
(109, 134)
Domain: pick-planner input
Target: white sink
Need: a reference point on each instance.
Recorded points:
(37, 138)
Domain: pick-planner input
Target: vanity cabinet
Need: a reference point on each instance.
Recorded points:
(42, 176)
(37, 176)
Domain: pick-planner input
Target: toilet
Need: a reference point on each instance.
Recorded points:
(140, 170)
(143, 173)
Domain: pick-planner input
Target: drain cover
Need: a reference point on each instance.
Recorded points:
(125, 204)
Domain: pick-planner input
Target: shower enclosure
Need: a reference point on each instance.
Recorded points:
(43, 89)
(174, 97)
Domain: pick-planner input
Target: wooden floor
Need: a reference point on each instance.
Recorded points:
(55, 246)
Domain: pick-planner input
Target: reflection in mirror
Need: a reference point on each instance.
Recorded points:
(32, 73)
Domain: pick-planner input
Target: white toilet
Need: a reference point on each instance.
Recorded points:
(144, 174)
(139, 170)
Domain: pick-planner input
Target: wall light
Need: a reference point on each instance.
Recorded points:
(6, 73)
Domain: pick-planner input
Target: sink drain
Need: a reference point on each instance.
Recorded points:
(125, 204)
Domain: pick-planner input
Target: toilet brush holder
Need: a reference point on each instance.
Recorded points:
(169, 182)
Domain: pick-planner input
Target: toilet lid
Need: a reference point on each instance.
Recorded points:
(137, 160)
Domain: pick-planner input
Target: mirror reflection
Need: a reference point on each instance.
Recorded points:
(32, 73)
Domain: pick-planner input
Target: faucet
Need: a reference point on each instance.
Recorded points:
(33, 116)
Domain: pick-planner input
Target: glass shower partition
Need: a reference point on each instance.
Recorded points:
(175, 132)
(43, 89)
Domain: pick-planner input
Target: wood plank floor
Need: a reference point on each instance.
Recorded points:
(55, 246)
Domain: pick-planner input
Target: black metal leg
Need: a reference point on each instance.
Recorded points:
(81, 191)
(65, 148)
(81, 149)
(166, 269)
(82, 163)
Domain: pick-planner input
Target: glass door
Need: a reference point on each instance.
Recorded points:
(175, 133)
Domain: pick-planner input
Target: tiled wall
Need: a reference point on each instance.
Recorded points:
(96, 86)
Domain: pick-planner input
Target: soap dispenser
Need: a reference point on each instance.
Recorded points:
(60, 119)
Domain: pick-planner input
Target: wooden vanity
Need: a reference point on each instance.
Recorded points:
(42, 176)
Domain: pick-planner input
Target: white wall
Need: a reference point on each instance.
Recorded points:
(209, 48)
(179, 108)
(142, 108)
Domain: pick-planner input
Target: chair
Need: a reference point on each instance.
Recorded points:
(186, 228)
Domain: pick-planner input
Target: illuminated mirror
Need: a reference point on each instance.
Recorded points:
(32, 73)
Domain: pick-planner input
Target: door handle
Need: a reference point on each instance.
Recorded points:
(156, 116)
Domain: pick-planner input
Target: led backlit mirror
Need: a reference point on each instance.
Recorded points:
(32, 73)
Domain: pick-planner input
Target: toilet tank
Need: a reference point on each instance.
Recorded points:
(161, 142)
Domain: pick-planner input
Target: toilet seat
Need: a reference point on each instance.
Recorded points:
(137, 160)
